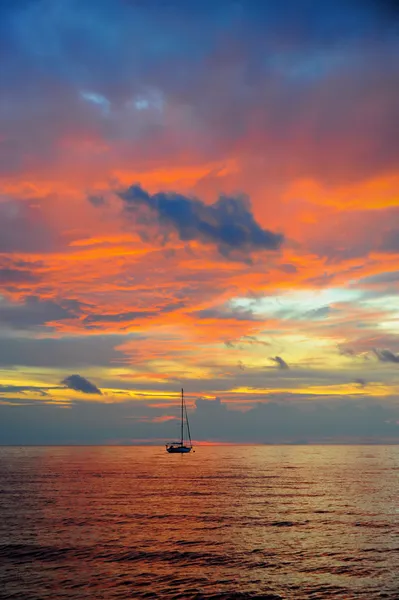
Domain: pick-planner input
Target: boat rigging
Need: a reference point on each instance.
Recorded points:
(181, 447)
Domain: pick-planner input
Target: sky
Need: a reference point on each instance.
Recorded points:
(200, 194)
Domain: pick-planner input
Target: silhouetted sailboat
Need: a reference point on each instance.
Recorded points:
(181, 447)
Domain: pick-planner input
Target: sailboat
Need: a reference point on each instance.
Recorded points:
(181, 447)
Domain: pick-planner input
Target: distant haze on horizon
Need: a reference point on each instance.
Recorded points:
(199, 194)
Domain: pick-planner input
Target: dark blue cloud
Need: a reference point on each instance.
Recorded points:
(280, 362)
(386, 356)
(228, 223)
(80, 384)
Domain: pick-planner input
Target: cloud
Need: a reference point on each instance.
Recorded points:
(229, 344)
(244, 341)
(97, 200)
(273, 422)
(388, 9)
(344, 351)
(386, 356)
(119, 317)
(35, 312)
(288, 268)
(253, 340)
(280, 362)
(17, 273)
(185, 95)
(388, 277)
(254, 96)
(355, 233)
(65, 352)
(228, 223)
(319, 313)
(291, 421)
(14, 276)
(80, 384)
(23, 228)
(361, 382)
(227, 313)
(23, 389)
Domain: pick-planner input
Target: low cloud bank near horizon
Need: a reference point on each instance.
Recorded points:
(132, 422)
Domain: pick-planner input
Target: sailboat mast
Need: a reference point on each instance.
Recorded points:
(182, 416)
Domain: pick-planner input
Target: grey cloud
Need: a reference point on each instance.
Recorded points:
(133, 315)
(296, 314)
(223, 378)
(245, 340)
(17, 272)
(375, 338)
(66, 352)
(288, 268)
(389, 277)
(361, 382)
(386, 356)
(235, 314)
(281, 421)
(10, 275)
(23, 229)
(80, 384)
(228, 223)
(280, 362)
(96, 200)
(345, 351)
(376, 231)
(319, 313)
(289, 422)
(118, 317)
(321, 280)
(390, 240)
(23, 389)
(252, 340)
(34, 312)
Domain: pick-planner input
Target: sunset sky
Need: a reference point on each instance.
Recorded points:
(201, 194)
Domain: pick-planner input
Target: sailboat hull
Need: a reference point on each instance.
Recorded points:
(178, 449)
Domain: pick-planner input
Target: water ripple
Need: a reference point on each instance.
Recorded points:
(224, 524)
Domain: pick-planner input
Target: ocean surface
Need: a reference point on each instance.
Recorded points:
(226, 522)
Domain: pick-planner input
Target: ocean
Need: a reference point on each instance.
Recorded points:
(225, 522)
